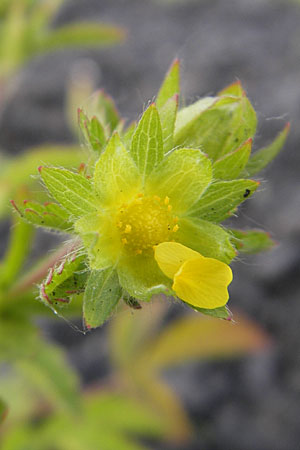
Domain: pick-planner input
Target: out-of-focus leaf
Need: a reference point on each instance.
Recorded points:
(48, 215)
(264, 156)
(72, 190)
(170, 86)
(221, 199)
(252, 241)
(147, 142)
(232, 164)
(20, 240)
(101, 296)
(102, 106)
(3, 410)
(196, 337)
(17, 173)
(80, 35)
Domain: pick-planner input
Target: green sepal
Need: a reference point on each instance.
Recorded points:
(188, 117)
(168, 117)
(48, 215)
(170, 85)
(251, 241)
(207, 238)
(116, 174)
(219, 313)
(127, 135)
(101, 296)
(147, 142)
(264, 156)
(182, 176)
(222, 198)
(72, 190)
(141, 277)
(102, 106)
(66, 279)
(232, 164)
(93, 132)
(220, 128)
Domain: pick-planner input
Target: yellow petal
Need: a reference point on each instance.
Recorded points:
(171, 255)
(203, 282)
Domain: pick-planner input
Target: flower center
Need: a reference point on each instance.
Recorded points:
(145, 222)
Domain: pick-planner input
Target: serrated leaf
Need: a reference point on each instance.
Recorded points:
(264, 156)
(196, 337)
(170, 85)
(48, 215)
(72, 190)
(64, 280)
(101, 296)
(221, 199)
(182, 176)
(79, 35)
(168, 116)
(147, 143)
(252, 241)
(232, 164)
(115, 174)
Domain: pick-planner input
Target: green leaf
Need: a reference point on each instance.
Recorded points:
(221, 128)
(16, 174)
(92, 131)
(18, 248)
(252, 241)
(64, 280)
(186, 117)
(232, 164)
(72, 190)
(101, 296)
(3, 411)
(208, 239)
(47, 371)
(168, 116)
(264, 156)
(170, 85)
(49, 215)
(219, 313)
(147, 143)
(116, 175)
(222, 198)
(127, 136)
(141, 277)
(102, 106)
(79, 35)
(182, 176)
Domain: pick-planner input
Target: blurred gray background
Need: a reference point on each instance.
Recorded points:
(253, 403)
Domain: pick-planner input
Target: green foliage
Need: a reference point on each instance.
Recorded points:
(252, 241)
(25, 32)
(201, 181)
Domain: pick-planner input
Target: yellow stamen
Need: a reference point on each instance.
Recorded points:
(139, 251)
(128, 229)
(124, 241)
(119, 224)
(157, 198)
(140, 195)
(175, 220)
(169, 207)
(175, 228)
(166, 200)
